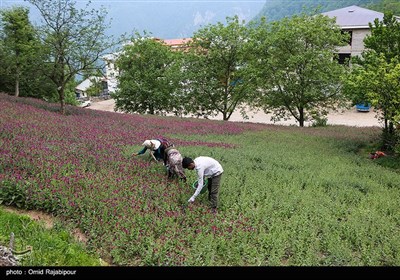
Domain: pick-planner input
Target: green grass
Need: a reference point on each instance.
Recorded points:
(312, 200)
(289, 196)
(50, 247)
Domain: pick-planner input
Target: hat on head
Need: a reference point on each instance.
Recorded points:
(147, 144)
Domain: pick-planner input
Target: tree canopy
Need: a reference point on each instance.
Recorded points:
(148, 77)
(216, 76)
(19, 44)
(375, 76)
(298, 74)
(73, 41)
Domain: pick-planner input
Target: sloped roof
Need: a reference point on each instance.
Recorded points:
(354, 16)
(87, 83)
(176, 42)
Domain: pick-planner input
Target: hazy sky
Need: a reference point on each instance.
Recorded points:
(163, 18)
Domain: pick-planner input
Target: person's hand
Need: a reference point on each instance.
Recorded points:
(191, 199)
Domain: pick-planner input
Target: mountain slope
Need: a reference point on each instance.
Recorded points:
(275, 10)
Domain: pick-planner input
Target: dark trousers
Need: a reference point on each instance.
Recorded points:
(213, 188)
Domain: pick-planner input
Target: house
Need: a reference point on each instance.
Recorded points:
(354, 20)
(111, 72)
(81, 89)
(178, 44)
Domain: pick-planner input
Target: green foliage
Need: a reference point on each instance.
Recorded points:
(375, 75)
(385, 6)
(289, 196)
(320, 121)
(275, 10)
(12, 193)
(50, 247)
(376, 81)
(297, 73)
(385, 37)
(292, 187)
(96, 88)
(217, 79)
(73, 40)
(149, 77)
(19, 54)
(390, 161)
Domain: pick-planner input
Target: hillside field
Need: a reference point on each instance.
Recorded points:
(289, 196)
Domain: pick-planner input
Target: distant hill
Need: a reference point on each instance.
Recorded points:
(275, 10)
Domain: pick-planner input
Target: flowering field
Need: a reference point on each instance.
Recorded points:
(289, 195)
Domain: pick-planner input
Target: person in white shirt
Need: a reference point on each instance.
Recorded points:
(206, 167)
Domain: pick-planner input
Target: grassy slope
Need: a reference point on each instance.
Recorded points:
(311, 199)
(289, 196)
(50, 247)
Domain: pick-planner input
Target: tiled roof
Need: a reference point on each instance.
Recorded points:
(354, 16)
(176, 42)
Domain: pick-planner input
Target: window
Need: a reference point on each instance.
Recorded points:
(344, 58)
(350, 39)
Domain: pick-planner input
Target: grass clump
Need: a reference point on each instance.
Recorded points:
(50, 246)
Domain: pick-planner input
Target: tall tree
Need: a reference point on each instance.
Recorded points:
(298, 75)
(375, 78)
(378, 81)
(148, 79)
(18, 42)
(216, 73)
(74, 41)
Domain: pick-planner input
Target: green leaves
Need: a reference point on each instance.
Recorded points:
(18, 50)
(149, 77)
(288, 195)
(216, 73)
(375, 76)
(297, 75)
(73, 40)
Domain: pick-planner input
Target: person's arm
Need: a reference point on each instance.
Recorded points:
(180, 172)
(200, 182)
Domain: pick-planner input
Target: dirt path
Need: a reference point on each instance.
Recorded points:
(349, 117)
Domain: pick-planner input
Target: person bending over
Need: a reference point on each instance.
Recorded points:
(206, 167)
(156, 146)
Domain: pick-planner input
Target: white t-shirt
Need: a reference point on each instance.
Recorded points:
(206, 167)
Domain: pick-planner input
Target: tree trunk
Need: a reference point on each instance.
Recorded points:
(62, 100)
(301, 117)
(17, 84)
